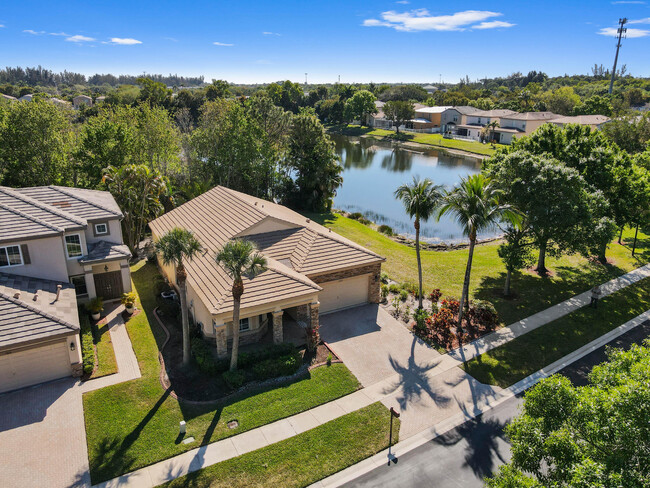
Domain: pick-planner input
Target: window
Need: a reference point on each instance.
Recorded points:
(244, 325)
(10, 256)
(73, 246)
(79, 283)
(101, 229)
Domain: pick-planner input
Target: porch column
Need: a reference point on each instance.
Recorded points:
(314, 308)
(221, 339)
(90, 282)
(277, 326)
(126, 277)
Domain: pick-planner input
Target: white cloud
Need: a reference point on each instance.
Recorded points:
(422, 20)
(33, 32)
(494, 24)
(640, 21)
(63, 34)
(1, 26)
(267, 33)
(173, 39)
(222, 44)
(403, 2)
(124, 41)
(80, 38)
(628, 2)
(631, 33)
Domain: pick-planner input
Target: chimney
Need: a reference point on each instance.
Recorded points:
(58, 292)
(35, 295)
(17, 295)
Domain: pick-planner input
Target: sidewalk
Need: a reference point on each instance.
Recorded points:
(127, 363)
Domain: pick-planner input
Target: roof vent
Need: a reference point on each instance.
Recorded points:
(308, 220)
(58, 292)
(256, 204)
(17, 295)
(35, 296)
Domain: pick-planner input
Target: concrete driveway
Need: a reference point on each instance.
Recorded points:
(373, 345)
(42, 437)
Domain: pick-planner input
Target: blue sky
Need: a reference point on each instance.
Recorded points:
(262, 41)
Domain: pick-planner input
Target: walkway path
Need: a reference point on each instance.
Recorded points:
(127, 363)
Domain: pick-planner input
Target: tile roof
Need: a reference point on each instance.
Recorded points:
(432, 110)
(465, 109)
(24, 320)
(15, 224)
(105, 251)
(532, 116)
(87, 204)
(500, 112)
(297, 249)
(38, 210)
(582, 120)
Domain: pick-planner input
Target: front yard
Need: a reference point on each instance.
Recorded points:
(570, 275)
(134, 424)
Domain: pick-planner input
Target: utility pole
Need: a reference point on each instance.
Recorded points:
(305, 79)
(621, 30)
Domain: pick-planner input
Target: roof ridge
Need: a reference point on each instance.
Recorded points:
(235, 194)
(30, 217)
(304, 281)
(43, 206)
(22, 304)
(60, 189)
(348, 242)
(310, 238)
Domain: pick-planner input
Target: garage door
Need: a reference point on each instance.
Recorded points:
(32, 366)
(344, 293)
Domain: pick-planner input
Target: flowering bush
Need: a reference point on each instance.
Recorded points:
(313, 338)
(450, 304)
(435, 295)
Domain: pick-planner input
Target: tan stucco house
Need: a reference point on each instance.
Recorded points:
(311, 270)
(58, 246)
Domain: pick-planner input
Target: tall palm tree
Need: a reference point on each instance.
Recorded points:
(421, 199)
(475, 204)
(174, 247)
(239, 258)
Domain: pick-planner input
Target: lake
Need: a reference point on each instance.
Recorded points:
(373, 170)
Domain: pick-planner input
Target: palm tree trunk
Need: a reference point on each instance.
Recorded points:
(541, 261)
(620, 235)
(185, 322)
(506, 288)
(464, 298)
(417, 253)
(235, 334)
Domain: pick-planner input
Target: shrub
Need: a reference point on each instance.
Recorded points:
(410, 287)
(393, 288)
(205, 360)
(397, 304)
(160, 285)
(386, 229)
(234, 379)
(247, 359)
(435, 295)
(384, 292)
(356, 216)
(403, 295)
(128, 299)
(451, 304)
(420, 317)
(329, 359)
(483, 313)
(384, 278)
(274, 368)
(407, 314)
(87, 350)
(95, 305)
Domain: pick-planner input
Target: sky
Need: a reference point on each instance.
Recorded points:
(360, 41)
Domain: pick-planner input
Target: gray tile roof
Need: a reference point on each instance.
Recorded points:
(105, 251)
(15, 224)
(499, 112)
(86, 204)
(24, 320)
(38, 210)
(532, 116)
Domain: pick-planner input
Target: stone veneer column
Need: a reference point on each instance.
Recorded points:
(302, 314)
(277, 327)
(314, 308)
(374, 285)
(222, 340)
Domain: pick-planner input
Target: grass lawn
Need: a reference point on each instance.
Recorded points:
(134, 424)
(529, 353)
(305, 458)
(106, 363)
(571, 275)
(435, 140)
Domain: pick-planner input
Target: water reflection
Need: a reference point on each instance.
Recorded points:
(373, 170)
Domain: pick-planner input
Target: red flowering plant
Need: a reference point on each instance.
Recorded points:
(449, 303)
(313, 338)
(435, 295)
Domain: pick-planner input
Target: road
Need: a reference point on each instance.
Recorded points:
(475, 449)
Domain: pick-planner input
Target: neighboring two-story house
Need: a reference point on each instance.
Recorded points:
(478, 120)
(523, 124)
(57, 246)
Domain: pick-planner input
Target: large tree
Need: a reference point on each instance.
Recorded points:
(240, 259)
(360, 106)
(312, 158)
(35, 145)
(137, 190)
(398, 112)
(477, 205)
(421, 199)
(173, 248)
(591, 436)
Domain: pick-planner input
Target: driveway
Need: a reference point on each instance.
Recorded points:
(42, 437)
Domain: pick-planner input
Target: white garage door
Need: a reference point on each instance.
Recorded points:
(32, 366)
(344, 293)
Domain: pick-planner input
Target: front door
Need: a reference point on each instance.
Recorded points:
(109, 285)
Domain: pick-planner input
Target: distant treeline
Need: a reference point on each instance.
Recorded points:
(40, 76)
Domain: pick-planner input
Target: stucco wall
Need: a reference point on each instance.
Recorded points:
(114, 232)
(48, 259)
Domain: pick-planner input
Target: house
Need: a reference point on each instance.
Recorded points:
(26, 98)
(58, 246)
(430, 89)
(428, 117)
(593, 121)
(455, 116)
(100, 99)
(60, 103)
(80, 100)
(521, 124)
(311, 270)
(476, 121)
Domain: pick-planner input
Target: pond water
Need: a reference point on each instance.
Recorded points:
(373, 170)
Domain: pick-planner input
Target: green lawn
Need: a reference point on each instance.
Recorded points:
(529, 353)
(571, 275)
(435, 140)
(106, 362)
(134, 424)
(305, 458)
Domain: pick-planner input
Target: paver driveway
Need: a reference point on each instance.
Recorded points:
(42, 437)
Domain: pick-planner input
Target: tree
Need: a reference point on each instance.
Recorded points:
(240, 259)
(154, 92)
(588, 436)
(399, 112)
(630, 133)
(515, 252)
(312, 158)
(476, 204)
(594, 105)
(174, 247)
(35, 145)
(561, 100)
(488, 131)
(288, 95)
(421, 199)
(137, 190)
(360, 106)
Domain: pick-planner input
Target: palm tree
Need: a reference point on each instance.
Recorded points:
(421, 199)
(174, 247)
(491, 127)
(239, 258)
(475, 204)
